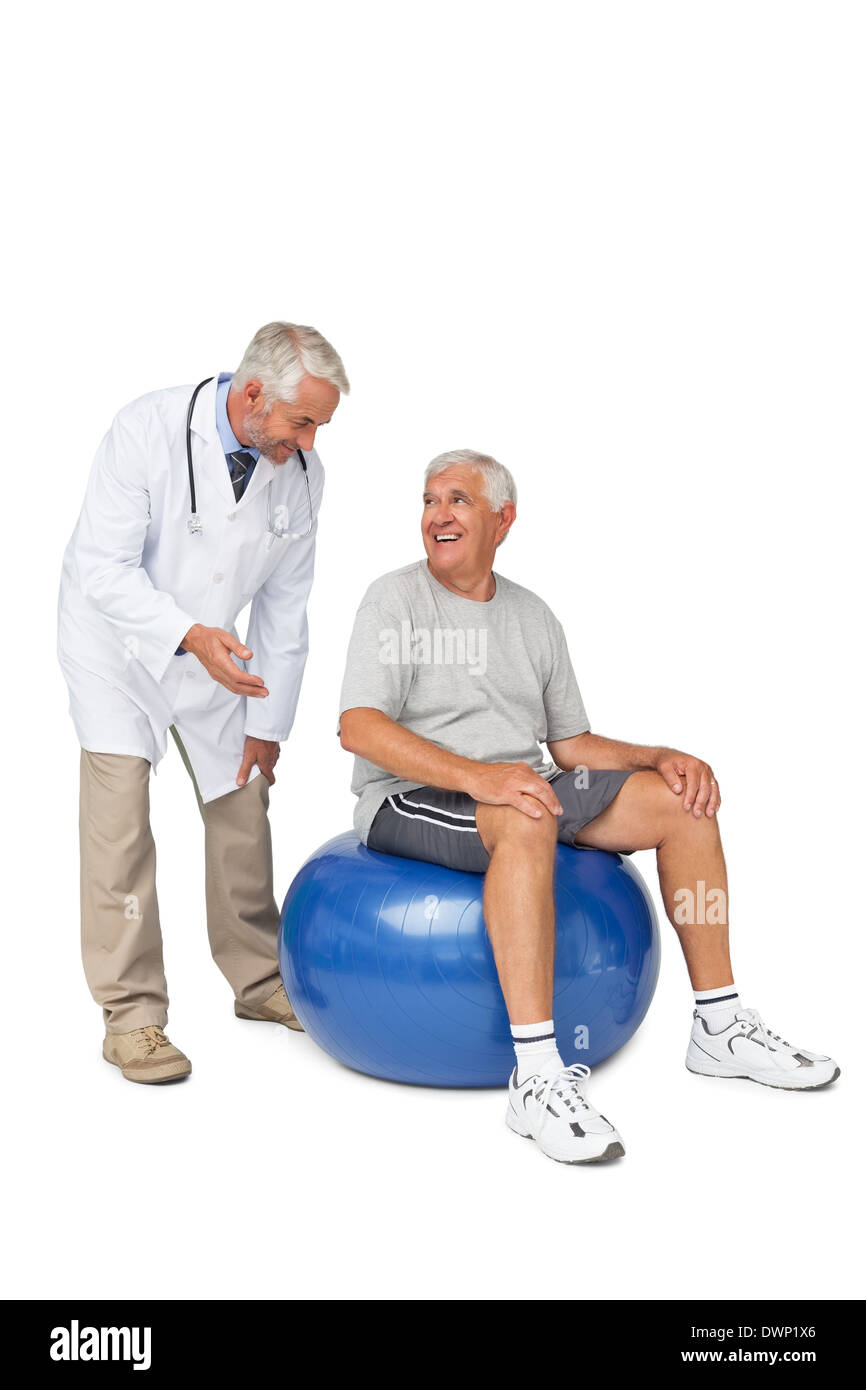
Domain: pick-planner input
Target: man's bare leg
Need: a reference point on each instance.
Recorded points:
(518, 907)
(545, 1100)
(646, 815)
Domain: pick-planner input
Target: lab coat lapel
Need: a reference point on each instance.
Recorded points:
(208, 459)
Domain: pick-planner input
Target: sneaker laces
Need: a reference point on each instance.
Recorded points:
(765, 1034)
(151, 1038)
(565, 1085)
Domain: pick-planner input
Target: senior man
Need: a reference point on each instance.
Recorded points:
(448, 769)
(199, 502)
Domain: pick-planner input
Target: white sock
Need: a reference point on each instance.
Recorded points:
(535, 1049)
(717, 1007)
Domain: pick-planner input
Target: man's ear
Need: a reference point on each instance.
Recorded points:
(507, 518)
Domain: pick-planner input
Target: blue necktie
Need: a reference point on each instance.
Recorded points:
(241, 466)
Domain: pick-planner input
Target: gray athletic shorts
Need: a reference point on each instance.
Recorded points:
(439, 826)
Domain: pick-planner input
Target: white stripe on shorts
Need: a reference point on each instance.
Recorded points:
(410, 815)
(440, 810)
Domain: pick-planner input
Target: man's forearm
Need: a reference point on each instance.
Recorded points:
(595, 751)
(381, 740)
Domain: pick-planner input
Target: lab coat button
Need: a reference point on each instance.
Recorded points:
(231, 516)
(218, 579)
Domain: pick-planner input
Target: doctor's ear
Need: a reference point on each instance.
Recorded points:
(253, 395)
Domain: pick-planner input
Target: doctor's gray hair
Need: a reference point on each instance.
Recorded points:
(281, 355)
(499, 486)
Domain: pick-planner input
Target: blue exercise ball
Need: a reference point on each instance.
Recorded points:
(389, 968)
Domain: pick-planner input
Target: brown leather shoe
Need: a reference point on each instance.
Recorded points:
(276, 1009)
(145, 1055)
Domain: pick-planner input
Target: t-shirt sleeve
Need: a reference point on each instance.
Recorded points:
(376, 677)
(563, 706)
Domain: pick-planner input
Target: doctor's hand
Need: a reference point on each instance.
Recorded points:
(263, 752)
(212, 646)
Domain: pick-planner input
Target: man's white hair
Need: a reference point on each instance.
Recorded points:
(281, 355)
(499, 486)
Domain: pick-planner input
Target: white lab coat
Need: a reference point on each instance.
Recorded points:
(134, 581)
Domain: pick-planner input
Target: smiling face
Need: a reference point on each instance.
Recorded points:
(459, 530)
(289, 425)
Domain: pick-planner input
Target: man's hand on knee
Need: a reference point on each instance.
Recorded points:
(514, 784)
(691, 778)
(259, 751)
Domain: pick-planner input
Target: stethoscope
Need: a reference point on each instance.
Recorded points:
(194, 525)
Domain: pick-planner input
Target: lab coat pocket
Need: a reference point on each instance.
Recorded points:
(258, 560)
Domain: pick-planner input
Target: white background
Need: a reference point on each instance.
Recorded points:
(619, 246)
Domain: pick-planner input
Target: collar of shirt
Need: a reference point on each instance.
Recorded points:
(228, 439)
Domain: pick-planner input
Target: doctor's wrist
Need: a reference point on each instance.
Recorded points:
(189, 640)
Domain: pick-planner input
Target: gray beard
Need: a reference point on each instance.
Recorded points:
(259, 440)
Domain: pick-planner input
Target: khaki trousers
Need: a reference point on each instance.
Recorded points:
(121, 940)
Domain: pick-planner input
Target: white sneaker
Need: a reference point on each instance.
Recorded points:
(747, 1049)
(554, 1112)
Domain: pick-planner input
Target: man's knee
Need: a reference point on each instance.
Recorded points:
(669, 815)
(505, 825)
(662, 813)
(114, 796)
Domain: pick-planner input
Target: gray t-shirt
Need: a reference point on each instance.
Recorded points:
(488, 681)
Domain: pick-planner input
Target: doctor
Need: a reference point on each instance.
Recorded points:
(199, 502)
